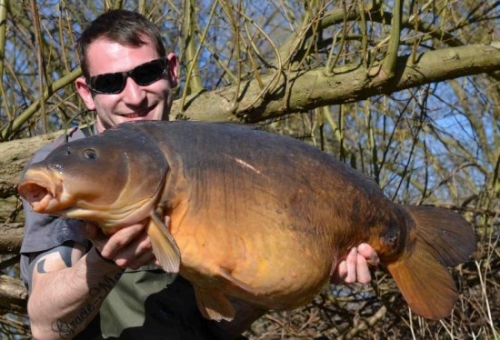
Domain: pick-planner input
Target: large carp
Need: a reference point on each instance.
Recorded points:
(252, 215)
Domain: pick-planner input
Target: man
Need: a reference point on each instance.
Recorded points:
(86, 285)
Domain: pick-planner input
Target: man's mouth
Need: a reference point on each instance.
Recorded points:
(138, 114)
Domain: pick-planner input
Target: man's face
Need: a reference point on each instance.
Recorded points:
(135, 102)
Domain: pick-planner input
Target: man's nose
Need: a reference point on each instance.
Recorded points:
(133, 93)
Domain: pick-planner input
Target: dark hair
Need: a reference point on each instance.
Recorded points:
(122, 26)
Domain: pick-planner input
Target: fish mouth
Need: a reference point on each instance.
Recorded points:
(41, 190)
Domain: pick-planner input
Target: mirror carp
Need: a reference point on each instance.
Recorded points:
(242, 213)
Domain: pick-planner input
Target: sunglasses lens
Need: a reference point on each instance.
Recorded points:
(148, 73)
(108, 83)
(143, 75)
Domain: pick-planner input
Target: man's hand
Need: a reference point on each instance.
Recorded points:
(129, 247)
(355, 266)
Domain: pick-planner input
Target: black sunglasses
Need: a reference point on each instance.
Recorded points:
(144, 74)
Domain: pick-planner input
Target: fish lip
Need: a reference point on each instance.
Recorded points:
(41, 191)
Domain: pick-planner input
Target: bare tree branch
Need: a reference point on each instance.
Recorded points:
(311, 89)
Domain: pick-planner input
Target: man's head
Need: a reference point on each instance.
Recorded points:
(126, 72)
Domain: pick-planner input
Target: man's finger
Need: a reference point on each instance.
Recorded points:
(121, 239)
(340, 273)
(369, 254)
(350, 262)
(362, 271)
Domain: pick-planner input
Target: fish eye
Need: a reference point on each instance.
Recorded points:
(90, 154)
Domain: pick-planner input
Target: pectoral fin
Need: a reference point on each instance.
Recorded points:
(164, 246)
(214, 305)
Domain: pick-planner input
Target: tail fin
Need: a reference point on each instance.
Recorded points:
(443, 239)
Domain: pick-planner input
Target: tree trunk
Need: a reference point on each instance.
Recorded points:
(13, 295)
(11, 236)
(14, 156)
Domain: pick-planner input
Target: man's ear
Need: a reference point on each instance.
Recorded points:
(173, 70)
(85, 93)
